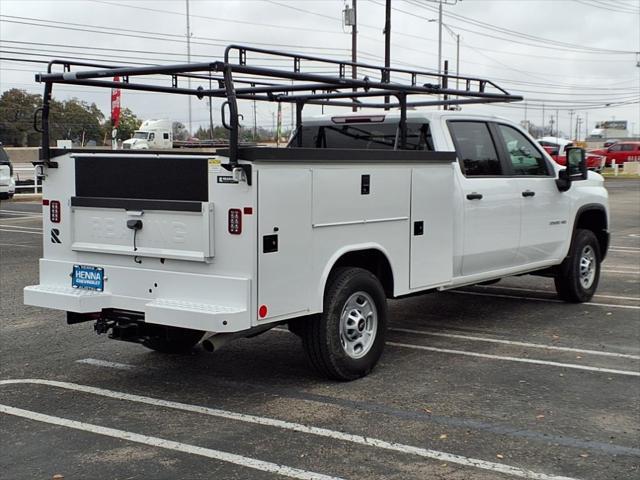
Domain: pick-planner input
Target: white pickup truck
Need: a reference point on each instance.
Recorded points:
(170, 250)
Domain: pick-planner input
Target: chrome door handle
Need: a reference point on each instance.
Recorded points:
(528, 193)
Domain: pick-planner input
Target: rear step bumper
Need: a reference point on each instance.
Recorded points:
(199, 302)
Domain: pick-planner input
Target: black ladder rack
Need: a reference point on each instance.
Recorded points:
(288, 77)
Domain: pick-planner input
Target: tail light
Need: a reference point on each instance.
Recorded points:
(54, 211)
(235, 221)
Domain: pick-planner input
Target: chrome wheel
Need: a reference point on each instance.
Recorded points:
(358, 325)
(587, 267)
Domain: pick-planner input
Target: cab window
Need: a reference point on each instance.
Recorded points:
(525, 158)
(475, 148)
(627, 147)
(615, 148)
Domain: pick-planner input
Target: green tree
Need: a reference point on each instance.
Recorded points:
(75, 120)
(129, 123)
(17, 108)
(180, 132)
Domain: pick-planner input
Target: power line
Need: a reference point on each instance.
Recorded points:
(218, 19)
(511, 33)
(619, 8)
(219, 42)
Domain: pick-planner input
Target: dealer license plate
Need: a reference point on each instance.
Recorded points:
(87, 277)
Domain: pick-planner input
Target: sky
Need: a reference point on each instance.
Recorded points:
(563, 56)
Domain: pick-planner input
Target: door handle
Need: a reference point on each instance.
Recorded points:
(474, 196)
(528, 193)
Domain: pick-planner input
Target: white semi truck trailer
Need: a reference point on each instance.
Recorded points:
(152, 135)
(197, 248)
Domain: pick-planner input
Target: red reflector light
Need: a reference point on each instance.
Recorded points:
(248, 210)
(262, 311)
(54, 211)
(235, 221)
(45, 202)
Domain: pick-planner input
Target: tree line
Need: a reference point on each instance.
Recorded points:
(85, 124)
(76, 120)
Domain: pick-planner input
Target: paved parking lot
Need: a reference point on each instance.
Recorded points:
(501, 381)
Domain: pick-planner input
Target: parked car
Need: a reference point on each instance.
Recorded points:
(7, 183)
(619, 152)
(556, 146)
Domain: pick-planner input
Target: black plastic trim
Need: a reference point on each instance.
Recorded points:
(339, 155)
(137, 204)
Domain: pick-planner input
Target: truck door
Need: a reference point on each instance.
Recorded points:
(491, 203)
(544, 209)
(431, 226)
(284, 241)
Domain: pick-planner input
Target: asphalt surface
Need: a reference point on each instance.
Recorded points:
(502, 381)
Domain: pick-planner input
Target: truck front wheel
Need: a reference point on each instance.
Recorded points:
(172, 339)
(579, 273)
(346, 341)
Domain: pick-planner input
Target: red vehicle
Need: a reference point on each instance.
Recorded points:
(620, 152)
(594, 161)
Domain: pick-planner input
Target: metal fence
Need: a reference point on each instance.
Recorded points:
(28, 183)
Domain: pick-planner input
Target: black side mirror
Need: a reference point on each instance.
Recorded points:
(576, 168)
(576, 163)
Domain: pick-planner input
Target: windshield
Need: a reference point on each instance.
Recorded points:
(141, 135)
(366, 136)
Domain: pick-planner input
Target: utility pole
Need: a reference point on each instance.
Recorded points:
(543, 120)
(255, 122)
(557, 123)
(189, 61)
(387, 45)
(586, 125)
(570, 122)
(439, 41)
(350, 19)
(354, 43)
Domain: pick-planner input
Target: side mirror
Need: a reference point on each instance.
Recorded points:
(575, 170)
(576, 163)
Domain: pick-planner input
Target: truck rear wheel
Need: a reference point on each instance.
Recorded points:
(346, 341)
(172, 339)
(579, 273)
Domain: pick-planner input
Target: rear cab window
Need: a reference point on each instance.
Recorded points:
(362, 136)
(477, 153)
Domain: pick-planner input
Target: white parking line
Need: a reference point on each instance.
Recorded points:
(4, 225)
(516, 359)
(104, 363)
(21, 214)
(20, 231)
(298, 427)
(534, 299)
(551, 292)
(622, 272)
(168, 444)
(516, 343)
(624, 247)
(18, 245)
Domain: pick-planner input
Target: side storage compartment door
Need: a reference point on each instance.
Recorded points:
(284, 241)
(431, 226)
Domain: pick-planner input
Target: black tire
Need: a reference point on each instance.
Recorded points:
(172, 339)
(571, 274)
(321, 335)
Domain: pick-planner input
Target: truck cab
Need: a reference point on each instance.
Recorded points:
(152, 135)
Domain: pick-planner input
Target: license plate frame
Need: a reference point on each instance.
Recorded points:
(87, 277)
